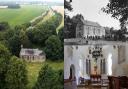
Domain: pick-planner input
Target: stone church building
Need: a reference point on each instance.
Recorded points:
(32, 55)
(89, 29)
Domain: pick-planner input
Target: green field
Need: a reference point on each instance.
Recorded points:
(22, 15)
(34, 68)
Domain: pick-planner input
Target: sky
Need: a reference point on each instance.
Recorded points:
(37, 0)
(91, 10)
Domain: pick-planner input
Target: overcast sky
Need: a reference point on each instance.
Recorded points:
(91, 10)
(37, 0)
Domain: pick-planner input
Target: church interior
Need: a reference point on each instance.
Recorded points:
(96, 66)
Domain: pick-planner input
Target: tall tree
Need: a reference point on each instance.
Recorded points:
(49, 78)
(4, 26)
(16, 76)
(74, 21)
(67, 19)
(4, 61)
(15, 45)
(118, 9)
(24, 39)
(46, 78)
(53, 48)
(67, 5)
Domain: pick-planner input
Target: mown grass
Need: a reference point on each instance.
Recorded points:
(22, 15)
(34, 68)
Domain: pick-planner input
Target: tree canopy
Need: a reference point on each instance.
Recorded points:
(12, 71)
(16, 76)
(118, 9)
(49, 78)
(53, 48)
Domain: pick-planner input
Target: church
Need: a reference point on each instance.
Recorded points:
(81, 62)
(32, 55)
(88, 29)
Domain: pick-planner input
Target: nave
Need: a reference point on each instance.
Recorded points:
(96, 67)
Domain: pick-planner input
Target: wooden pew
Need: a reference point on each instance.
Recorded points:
(123, 81)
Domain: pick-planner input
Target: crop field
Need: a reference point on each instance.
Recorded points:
(22, 15)
(34, 68)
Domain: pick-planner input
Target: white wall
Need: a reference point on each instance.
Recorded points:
(78, 55)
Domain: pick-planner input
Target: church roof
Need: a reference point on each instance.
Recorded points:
(90, 23)
(34, 52)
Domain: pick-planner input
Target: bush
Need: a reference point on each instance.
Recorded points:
(45, 78)
(4, 26)
(4, 61)
(49, 78)
(53, 48)
(12, 71)
(16, 76)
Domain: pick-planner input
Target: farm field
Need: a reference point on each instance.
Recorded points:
(22, 15)
(34, 68)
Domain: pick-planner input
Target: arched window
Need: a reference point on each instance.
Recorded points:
(94, 31)
(103, 66)
(87, 30)
(88, 66)
(98, 31)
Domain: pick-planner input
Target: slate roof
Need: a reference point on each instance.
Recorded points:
(86, 22)
(90, 23)
(35, 52)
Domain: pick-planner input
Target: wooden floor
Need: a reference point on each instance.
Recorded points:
(90, 88)
(74, 86)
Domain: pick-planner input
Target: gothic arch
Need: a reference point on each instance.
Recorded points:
(72, 72)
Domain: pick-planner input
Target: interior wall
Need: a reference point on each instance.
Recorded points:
(77, 56)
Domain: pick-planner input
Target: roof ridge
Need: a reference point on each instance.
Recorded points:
(88, 22)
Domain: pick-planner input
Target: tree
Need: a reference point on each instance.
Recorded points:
(12, 71)
(74, 21)
(4, 53)
(14, 45)
(67, 5)
(16, 76)
(4, 26)
(24, 39)
(61, 34)
(38, 36)
(46, 78)
(53, 48)
(49, 78)
(4, 61)
(13, 6)
(118, 9)
(26, 25)
(8, 34)
(61, 37)
(67, 27)
(60, 79)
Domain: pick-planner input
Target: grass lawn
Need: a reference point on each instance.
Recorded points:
(34, 68)
(22, 15)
